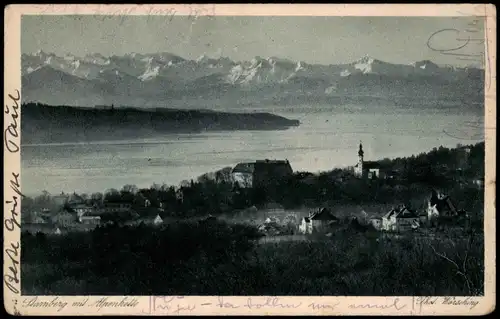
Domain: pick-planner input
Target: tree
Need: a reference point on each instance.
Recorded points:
(130, 189)
(111, 193)
(96, 196)
(224, 175)
(184, 183)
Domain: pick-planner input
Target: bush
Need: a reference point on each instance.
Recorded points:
(215, 258)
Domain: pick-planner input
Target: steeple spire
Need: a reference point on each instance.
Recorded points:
(360, 152)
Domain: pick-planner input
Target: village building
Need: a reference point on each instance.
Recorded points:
(400, 219)
(242, 174)
(440, 205)
(376, 222)
(261, 173)
(64, 219)
(158, 220)
(318, 221)
(89, 219)
(366, 169)
(117, 206)
(81, 209)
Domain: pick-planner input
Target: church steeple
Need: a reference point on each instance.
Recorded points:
(359, 166)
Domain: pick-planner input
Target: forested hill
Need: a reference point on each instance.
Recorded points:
(48, 124)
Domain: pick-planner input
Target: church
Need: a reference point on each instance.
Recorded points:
(366, 169)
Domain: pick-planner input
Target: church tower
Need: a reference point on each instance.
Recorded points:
(359, 166)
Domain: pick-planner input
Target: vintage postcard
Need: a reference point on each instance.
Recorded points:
(249, 159)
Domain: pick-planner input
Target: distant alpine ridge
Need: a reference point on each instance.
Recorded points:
(167, 79)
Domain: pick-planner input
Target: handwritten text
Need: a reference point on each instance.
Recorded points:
(11, 135)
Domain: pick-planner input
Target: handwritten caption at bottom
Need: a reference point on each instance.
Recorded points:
(180, 305)
(59, 304)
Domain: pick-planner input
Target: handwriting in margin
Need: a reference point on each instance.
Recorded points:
(11, 134)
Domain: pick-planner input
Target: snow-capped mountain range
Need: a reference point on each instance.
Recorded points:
(154, 79)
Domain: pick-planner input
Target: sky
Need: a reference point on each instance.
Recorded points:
(324, 40)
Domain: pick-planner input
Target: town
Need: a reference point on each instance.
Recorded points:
(404, 226)
(65, 212)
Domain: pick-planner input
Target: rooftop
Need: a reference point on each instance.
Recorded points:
(250, 167)
(268, 161)
(244, 168)
(401, 212)
(322, 214)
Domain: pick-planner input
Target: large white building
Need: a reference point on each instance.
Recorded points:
(261, 173)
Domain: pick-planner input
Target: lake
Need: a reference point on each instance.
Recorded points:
(327, 138)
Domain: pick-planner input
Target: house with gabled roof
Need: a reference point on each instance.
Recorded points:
(158, 220)
(400, 219)
(440, 205)
(242, 174)
(317, 221)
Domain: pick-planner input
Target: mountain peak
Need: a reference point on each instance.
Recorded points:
(43, 54)
(425, 64)
(366, 59)
(201, 58)
(160, 75)
(365, 64)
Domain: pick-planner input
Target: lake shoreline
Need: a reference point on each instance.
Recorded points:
(63, 124)
(322, 142)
